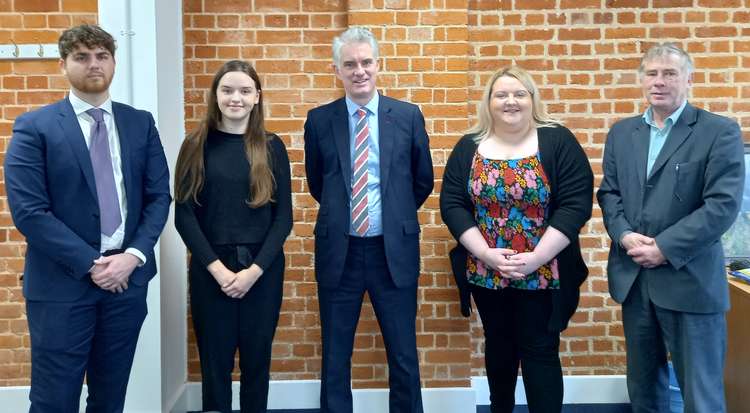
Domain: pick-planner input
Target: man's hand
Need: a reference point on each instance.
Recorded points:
(643, 250)
(96, 277)
(244, 282)
(634, 239)
(112, 273)
(647, 256)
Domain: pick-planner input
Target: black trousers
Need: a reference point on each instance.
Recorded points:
(223, 325)
(515, 331)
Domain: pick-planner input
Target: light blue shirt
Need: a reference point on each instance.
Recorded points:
(659, 136)
(374, 207)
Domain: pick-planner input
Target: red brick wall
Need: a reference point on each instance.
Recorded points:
(437, 54)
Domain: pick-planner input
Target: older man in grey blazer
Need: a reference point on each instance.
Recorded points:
(673, 180)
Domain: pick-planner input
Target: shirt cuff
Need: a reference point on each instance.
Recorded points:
(138, 254)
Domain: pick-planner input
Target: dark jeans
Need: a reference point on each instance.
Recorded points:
(515, 331)
(223, 325)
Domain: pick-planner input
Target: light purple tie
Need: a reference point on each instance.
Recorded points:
(101, 160)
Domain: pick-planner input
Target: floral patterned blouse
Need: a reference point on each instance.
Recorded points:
(510, 199)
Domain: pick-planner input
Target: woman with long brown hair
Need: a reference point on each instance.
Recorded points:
(234, 211)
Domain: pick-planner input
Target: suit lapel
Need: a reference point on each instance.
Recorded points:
(641, 136)
(72, 133)
(679, 133)
(385, 135)
(125, 141)
(340, 128)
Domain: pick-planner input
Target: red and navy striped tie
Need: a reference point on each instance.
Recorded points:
(360, 217)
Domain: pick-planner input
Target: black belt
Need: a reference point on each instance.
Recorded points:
(354, 240)
(115, 251)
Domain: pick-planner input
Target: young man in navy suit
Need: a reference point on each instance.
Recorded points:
(88, 186)
(368, 164)
(672, 185)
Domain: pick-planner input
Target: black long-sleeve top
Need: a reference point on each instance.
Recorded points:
(571, 197)
(222, 215)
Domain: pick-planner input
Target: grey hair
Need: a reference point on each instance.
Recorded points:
(665, 49)
(355, 34)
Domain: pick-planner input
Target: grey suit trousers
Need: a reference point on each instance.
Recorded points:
(696, 342)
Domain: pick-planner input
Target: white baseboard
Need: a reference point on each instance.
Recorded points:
(578, 390)
(16, 398)
(304, 394)
(174, 399)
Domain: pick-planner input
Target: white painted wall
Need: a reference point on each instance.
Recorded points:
(149, 76)
(116, 18)
(170, 94)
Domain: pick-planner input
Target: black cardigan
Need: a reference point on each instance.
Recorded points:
(571, 191)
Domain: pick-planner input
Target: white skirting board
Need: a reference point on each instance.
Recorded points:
(303, 394)
(577, 390)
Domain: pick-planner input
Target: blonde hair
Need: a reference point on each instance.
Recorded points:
(539, 114)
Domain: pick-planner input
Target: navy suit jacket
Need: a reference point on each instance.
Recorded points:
(52, 197)
(690, 199)
(405, 183)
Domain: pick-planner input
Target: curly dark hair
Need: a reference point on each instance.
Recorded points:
(89, 35)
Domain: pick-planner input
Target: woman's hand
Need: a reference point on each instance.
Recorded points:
(501, 260)
(223, 276)
(245, 281)
(527, 262)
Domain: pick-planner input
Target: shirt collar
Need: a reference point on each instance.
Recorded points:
(371, 106)
(648, 116)
(80, 106)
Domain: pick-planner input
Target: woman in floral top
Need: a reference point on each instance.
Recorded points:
(516, 192)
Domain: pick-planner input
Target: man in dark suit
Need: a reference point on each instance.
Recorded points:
(672, 185)
(368, 164)
(88, 186)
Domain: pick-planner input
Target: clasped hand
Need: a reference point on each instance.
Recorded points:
(236, 285)
(112, 272)
(643, 250)
(511, 264)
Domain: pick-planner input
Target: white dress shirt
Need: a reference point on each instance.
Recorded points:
(85, 121)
